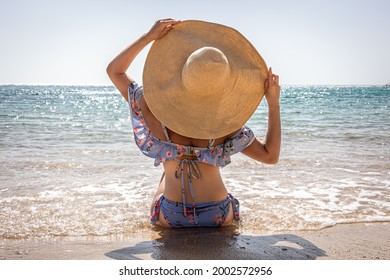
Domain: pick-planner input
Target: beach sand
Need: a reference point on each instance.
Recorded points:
(342, 242)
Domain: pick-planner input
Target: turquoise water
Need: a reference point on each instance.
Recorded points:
(69, 165)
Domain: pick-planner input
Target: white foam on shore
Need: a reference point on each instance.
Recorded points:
(270, 200)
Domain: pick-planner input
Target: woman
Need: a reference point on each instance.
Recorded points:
(192, 144)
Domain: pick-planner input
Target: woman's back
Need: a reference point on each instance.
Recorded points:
(206, 187)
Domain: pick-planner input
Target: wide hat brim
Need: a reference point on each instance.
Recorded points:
(191, 115)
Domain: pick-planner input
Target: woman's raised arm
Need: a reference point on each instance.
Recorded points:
(117, 68)
(268, 152)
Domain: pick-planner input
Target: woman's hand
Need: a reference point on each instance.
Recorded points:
(272, 89)
(161, 27)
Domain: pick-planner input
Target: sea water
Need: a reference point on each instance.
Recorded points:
(69, 165)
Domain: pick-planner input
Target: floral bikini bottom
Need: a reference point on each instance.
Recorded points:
(204, 214)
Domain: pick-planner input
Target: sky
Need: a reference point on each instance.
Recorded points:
(312, 42)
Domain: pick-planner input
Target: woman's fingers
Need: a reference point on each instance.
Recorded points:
(162, 27)
(272, 78)
(168, 22)
(275, 78)
(272, 88)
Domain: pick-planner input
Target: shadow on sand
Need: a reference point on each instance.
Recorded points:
(220, 244)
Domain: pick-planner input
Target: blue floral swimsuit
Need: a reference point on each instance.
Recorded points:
(182, 214)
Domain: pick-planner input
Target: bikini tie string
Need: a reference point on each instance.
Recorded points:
(192, 171)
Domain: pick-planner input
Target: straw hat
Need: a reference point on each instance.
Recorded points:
(203, 80)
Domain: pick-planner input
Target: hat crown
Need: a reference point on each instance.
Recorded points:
(206, 71)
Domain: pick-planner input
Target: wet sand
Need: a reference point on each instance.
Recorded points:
(342, 242)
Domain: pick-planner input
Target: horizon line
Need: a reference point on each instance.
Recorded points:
(111, 85)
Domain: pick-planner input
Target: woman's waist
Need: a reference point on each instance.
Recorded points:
(198, 181)
(201, 193)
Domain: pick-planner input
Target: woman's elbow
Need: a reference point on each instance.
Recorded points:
(109, 69)
(271, 159)
(111, 72)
